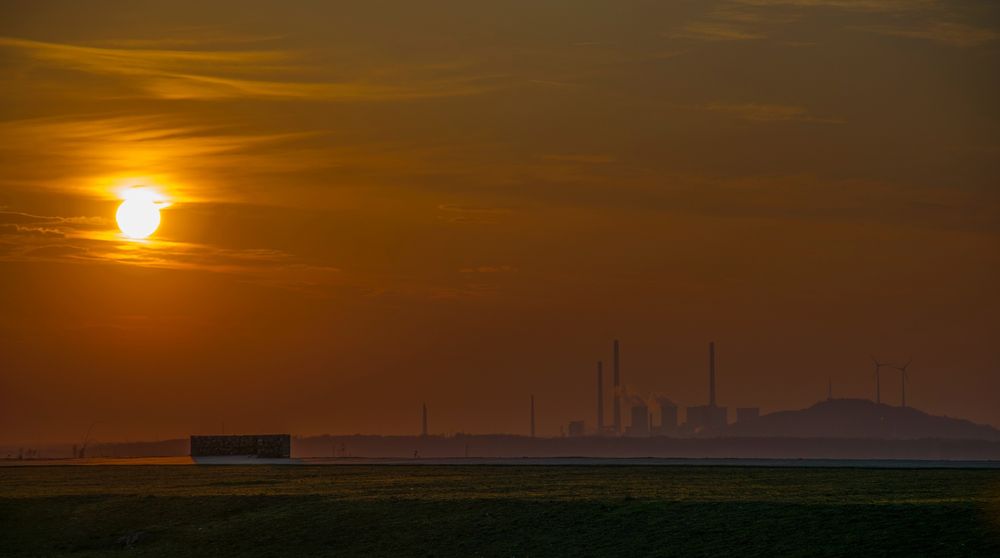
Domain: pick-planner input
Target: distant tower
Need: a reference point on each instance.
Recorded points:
(711, 374)
(829, 389)
(878, 378)
(600, 397)
(423, 429)
(902, 377)
(618, 383)
(532, 416)
(878, 384)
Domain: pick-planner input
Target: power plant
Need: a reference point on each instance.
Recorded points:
(700, 418)
(658, 415)
(668, 415)
(746, 414)
(709, 417)
(640, 421)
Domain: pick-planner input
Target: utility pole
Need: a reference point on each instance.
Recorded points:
(617, 394)
(711, 374)
(423, 429)
(532, 416)
(600, 397)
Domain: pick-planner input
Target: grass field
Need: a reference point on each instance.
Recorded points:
(496, 511)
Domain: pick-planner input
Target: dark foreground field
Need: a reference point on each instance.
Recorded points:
(496, 511)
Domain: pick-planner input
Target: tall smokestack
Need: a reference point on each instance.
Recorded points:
(711, 374)
(617, 394)
(532, 416)
(600, 397)
(423, 424)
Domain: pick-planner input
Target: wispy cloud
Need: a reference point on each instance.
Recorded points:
(488, 269)
(37, 238)
(933, 20)
(213, 36)
(764, 112)
(259, 74)
(190, 86)
(87, 152)
(943, 32)
(166, 134)
(849, 5)
(141, 60)
(730, 22)
(472, 214)
(18, 219)
(586, 158)
(714, 31)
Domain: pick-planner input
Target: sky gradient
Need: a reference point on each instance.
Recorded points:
(382, 204)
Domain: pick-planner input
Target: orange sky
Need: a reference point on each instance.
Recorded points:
(401, 202)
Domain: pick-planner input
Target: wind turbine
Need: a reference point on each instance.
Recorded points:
(878, 383)
(902, 376)
(86, 439)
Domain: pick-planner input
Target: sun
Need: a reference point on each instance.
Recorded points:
(138, 215)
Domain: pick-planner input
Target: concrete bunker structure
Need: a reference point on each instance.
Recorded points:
(256, 445)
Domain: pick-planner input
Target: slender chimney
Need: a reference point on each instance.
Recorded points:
(532, 416)
(600, 397)
(618, 389)
(711, 374)
(423, 429)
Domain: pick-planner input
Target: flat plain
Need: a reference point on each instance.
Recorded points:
(497, 510)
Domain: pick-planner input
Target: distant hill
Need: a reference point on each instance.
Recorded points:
(860, 418)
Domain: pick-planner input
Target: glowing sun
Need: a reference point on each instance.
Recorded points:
(139, 215)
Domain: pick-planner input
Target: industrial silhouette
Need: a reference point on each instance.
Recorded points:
(833, 428)
(710, 419)
(902, 377)
(658, 416)
(878, 382)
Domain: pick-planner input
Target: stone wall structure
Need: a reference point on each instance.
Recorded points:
(258, 445)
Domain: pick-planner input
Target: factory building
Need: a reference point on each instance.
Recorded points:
(744, 414)
(640, 421)
(577, 428)
(255, 445)
(711, 416)
(668, 416)
(699, 418)
(706, 417)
